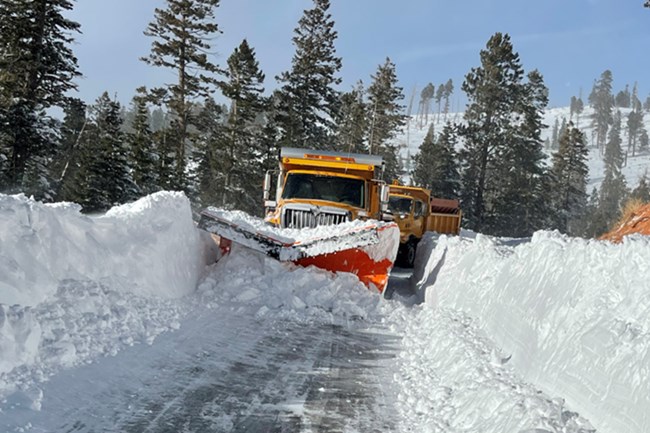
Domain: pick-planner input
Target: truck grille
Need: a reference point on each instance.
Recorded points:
(302, 216)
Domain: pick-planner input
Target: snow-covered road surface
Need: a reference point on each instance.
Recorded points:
(224, 371)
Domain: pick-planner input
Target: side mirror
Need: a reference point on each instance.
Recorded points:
(384, 191)
(267, 185)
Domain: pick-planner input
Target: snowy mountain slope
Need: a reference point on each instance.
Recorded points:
(259, 344)
(414, 132)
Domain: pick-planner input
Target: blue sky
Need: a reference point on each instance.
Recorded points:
(571, 42)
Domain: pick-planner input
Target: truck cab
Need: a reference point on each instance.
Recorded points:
(316, 188)
(416, 212)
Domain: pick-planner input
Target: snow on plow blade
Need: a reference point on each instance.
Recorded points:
(364, 248)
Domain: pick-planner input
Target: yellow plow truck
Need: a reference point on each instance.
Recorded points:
(416, 212)
(326, 209)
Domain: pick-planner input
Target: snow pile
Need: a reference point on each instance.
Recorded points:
(573, 316)
(74, 287)
(150, 247)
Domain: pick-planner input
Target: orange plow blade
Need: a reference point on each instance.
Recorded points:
(364, 248)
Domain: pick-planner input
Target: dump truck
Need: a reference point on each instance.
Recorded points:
(326, 209)
(416, 212)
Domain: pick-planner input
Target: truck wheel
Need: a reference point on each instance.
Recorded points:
(410, 254)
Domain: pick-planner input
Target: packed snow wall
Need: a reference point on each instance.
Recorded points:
(73, 287)
(149, 247)
(574, 315)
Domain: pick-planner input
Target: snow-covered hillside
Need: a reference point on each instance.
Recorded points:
(120, 322)
(413, 134)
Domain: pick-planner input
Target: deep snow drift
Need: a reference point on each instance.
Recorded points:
(542, 335)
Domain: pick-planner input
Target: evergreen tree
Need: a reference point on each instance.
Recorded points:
(602, 101)
(501, 162)
(555, 134)
(594, 223)
(386, 116)
(425, 102)
(182, 33)
(308, 97)
(436, 164)
(140, 140)
(440, 95)
(352, 124)
(644, 142)
(37, 70)
(642, 190)
(613, 189)
(521, 198)
(448, 91)
(103, 178)
(66, 161)
(634, 125)
(623, 98)
(569, 173)
(243, 86)
(209, 174)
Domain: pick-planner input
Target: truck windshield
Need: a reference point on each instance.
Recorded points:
(399, 205)
(331, 188)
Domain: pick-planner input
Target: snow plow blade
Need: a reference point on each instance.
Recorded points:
(364, 248)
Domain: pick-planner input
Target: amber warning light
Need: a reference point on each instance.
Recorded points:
(329, 158)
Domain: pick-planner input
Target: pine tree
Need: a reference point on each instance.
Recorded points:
(501, 162)
(309, 100)
(425, 102)
(555, 134)
(37, 70)
(642, 190)
(623, 98)
(602, 101)
(243, 86)
(440, 95)
(594, 222)
(103, 178)
(140, 140)
(644, 142)
(386, 116)
(182, 33)
(634, 125)
(66, 160)
(522, 196)
(449, 90)
(352, 123)
(613, 189)
(209, 157)
(569, 174)
(436, 165)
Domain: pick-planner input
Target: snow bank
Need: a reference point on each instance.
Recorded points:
(149, 247)
(574, 316)
(74, 287)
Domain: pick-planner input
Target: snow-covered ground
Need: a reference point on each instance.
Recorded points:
(120, 322)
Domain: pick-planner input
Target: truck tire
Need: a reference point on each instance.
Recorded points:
(409, 254)
(406, 254)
